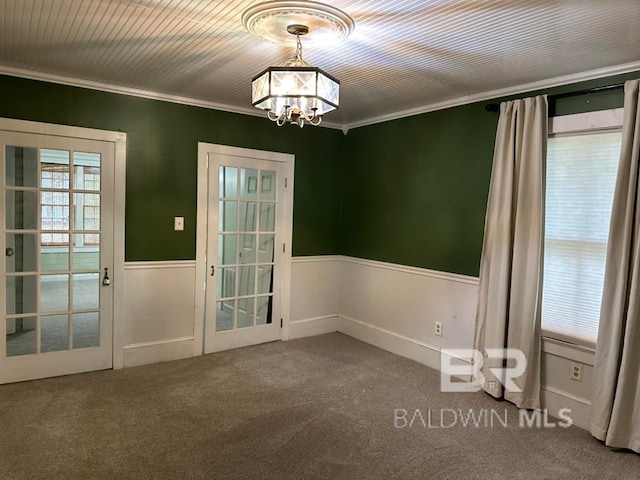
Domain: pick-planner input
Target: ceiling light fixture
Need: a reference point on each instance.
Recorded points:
(296, 92)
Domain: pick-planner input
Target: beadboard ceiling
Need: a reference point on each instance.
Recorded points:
(404, 56)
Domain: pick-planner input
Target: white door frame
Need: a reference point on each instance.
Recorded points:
(119, 139)
(202, 231)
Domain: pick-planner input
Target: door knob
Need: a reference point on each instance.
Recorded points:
(9, 252)
(106, 280)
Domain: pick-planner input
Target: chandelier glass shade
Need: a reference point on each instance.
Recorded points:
(295, 92)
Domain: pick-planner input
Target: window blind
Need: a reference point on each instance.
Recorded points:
(581, 177)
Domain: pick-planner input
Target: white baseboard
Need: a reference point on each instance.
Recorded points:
(390, 341)
(313, 326)
(554, 400)
(154, 352)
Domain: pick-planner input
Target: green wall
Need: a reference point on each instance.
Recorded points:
(162, 140)
(414, 190)
(411, 191)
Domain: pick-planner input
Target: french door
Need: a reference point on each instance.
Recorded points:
(57, 255)
(245, 251)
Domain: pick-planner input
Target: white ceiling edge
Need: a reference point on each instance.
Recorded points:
(479, 97)
(503, 92)
(106, 87)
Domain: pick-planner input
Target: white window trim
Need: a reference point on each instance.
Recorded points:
(569, 350)
(587, 122)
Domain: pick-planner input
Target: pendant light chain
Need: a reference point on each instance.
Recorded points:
(298, 48)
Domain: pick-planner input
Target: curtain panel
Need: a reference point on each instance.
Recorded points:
(615, 407)
(510, 291)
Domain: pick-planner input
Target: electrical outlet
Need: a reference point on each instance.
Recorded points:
(438, 328)
(576, 372)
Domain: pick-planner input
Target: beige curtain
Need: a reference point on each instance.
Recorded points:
(510, 296)
(615, 407)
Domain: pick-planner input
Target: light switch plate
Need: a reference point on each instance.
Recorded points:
(178, 224)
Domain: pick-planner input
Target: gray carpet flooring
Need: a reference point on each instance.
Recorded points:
(315, 408)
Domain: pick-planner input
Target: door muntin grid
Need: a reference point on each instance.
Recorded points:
(247, 202)
(52, 255)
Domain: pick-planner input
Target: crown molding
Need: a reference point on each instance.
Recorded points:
(135, 92)
(345, 127)
(503, 92)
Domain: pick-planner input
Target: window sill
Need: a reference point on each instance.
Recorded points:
(579, 353)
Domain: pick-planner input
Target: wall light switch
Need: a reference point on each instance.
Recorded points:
(178, 224)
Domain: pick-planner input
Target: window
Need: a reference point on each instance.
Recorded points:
(582, 164)
(56, 211)
(55, 204)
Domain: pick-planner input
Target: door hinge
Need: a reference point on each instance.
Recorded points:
(286, 182)
(283, 247)
(280, 323)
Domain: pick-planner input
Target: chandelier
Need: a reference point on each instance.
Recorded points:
(296, 92)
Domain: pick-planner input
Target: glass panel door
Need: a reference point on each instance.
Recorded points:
(52, 249)
(243, 296)
(246, 225)
(53, 253)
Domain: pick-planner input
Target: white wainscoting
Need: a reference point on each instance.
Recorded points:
(405, 302)
(390, 306)
(394, 308)
(159, 311)
(558, 390)
(315, 289)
